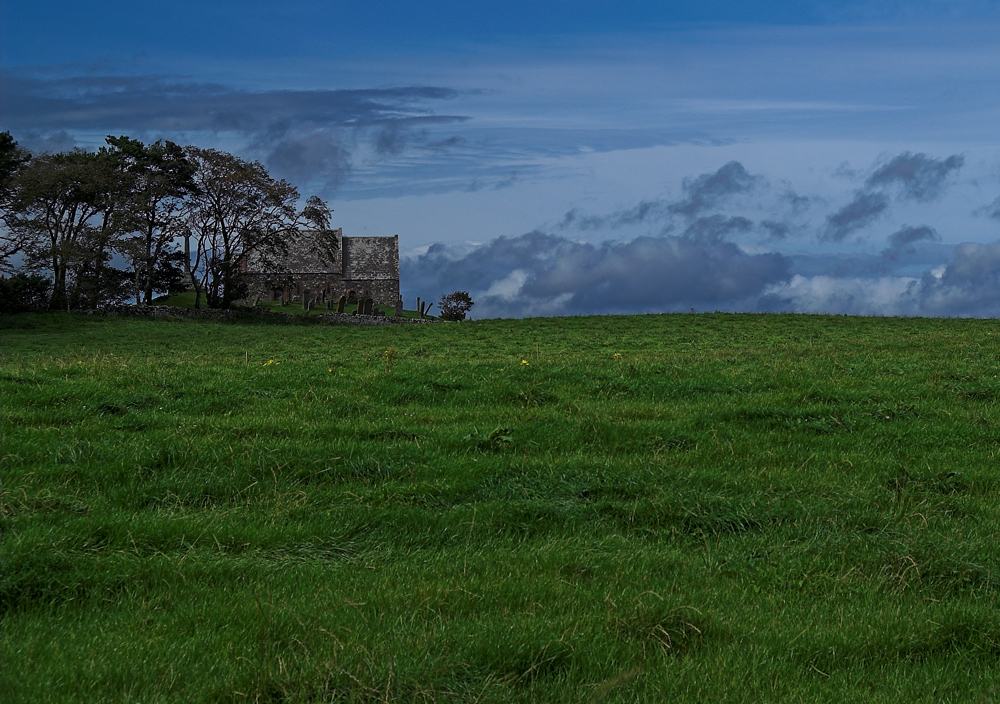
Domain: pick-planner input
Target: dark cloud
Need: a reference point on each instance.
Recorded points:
(295, 131)
(798, 203)
(846, 171)
(775, 230)
(969, 286)
(60, 141)
(512, 178)
(168, 103)
(644, 211)
(301, 156)
(914, 176)
(917, 176)
(542, 274)
(390, 140)
(446, 144)
(860, 212)
(716, 228)
(992, 210)
(569, 219)
(496, 177)
(902, 241)
(707, 190)
(702, 194)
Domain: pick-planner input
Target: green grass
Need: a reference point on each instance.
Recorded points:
(707, 508)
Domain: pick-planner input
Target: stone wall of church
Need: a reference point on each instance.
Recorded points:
(364, 264)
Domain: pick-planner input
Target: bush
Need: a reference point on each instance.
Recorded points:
(23, 292)
(455, 305)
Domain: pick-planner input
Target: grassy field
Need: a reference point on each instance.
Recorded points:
(710, 508)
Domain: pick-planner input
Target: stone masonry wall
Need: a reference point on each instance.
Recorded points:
(372, 261)
(362, 264)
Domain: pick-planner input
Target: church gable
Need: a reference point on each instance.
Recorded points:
(312, 252)
(370, 258)
(327, 264)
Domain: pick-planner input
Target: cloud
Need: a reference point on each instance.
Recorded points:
(511, 178)
(707, 190)
(543, 274)
(968, 286)
(716, 228)
(902, 241)
(644, 211)
(797, 202)
(60, 141)
(863, 210)
(446, 144)
(991, 211)
(853, 295)
(390, 140)
(702, 194)
(775, 230)
(540, 274)
(914, 176)
(302, 134)
(917, 176)
(166, 103)
(303, 155)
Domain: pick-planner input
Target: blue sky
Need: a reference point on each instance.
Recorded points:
(567, 157)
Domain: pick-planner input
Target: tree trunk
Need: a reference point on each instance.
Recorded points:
(150, 268)
(59, 299)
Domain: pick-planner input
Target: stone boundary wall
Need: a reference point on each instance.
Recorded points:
(251, 313)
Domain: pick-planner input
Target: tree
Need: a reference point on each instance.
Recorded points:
(12, 159)
(157, 177)
(237, 213)
(55, 206)
(455, 305)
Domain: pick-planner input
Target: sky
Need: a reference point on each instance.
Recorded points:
(571, 157)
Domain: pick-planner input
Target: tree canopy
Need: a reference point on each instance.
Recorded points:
(133, 219)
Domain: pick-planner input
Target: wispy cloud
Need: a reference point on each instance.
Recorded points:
(693, 212)
(916, 176)
(160, 102)
(992, 210)
(716, 228)
(643, 212)
(301, 134)
(303, 154)
(862, 211)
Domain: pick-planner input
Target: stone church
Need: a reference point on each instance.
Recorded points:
(321, 266)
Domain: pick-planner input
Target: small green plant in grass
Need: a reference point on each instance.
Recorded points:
(496, 439)
(390, 355)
